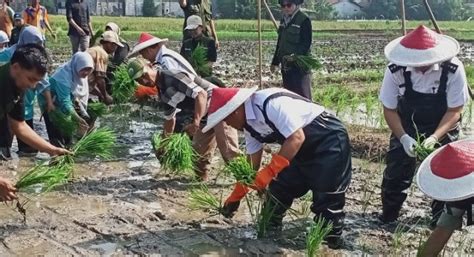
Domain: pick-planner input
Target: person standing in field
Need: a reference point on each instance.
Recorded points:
(19, 25)
(423, 94)
(202, 8)
(294, 38)
(448, 175)
(6, 17)
(80, 25)
(37, 15)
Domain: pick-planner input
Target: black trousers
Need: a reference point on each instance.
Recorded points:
(297, 81)
(397, 178)
(323, 165)
(55, 136)
(22, 146)
(6, 136)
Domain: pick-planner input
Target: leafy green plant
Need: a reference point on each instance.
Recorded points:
(199, 61)
(241, 169)
(99, 142)
(318, 230)
(96, 109)
(307, 62)
(201, 199)
(96, 36)
(65, 123)
(123, 86)
(264, 212)
(176, 152)
(45, 176)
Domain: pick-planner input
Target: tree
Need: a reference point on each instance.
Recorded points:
(149, 8)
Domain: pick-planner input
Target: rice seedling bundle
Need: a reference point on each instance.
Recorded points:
(199, 61)
(96, 36)
(265, 213)
(45, 176)
(123, 86)
(96, 110)
(201, 199)
(65, 123)
(307, 62)
(241, 169)
(319, 229)
(99, 142)
(176, 152)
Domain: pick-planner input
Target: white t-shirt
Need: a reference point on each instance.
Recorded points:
(286, 113)
(428, 83)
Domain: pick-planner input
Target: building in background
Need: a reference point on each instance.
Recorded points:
(349, 8)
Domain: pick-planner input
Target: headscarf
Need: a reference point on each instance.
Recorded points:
(30, 35)
(114, 27)
(68, 75)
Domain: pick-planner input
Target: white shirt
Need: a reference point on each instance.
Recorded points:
(176, 62)
(428, 83)
(286, 113)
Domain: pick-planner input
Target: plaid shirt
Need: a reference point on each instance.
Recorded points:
(178, 91)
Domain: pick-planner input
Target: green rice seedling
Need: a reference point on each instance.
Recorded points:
(306, 202)
(307, 62)
(45, 176)
(96, 109)
(318, 230)
(99, 142)
(201, 199)
(65, 123)
(176, 153)
(199, 61)
(264, 212)
(123, 86)
(421, 152)
(241, 169)
(96, 36)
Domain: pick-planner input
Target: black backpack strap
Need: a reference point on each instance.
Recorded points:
(408, 85)
(446, 68)
(174, 58)
(273, 96)
(394, 68)
(254, 133)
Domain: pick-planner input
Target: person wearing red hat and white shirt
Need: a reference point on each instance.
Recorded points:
(315, 153)
(423, 93)
(448, 175)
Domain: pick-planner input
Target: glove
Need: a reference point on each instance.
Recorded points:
(408, 145)
(430, 142)
(265, 175)
(233, 201)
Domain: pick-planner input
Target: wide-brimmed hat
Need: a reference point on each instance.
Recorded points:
(448, 173)
(112, 37)
(145, 40)
(421, 47)
(193, 22)
(223, 102)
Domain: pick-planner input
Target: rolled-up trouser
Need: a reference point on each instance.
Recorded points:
(79, 43)
(323, 165)
(397, 178)
(22, 146)
(224, 137)
(297, 81)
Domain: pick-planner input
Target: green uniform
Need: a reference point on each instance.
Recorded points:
(203, 9)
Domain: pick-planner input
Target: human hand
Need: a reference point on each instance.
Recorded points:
(7, 190)
(430, 142)
(192, 128)
(408, 145)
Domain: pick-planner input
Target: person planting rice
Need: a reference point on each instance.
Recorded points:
(178, 91)
(294, 38)
(29, 35)
(448, 175)
(203, 8)
(119, 56)
(26, 68)
(69, 88)
(423, 93)
(200, 50)
(109, 43)
(314, 155)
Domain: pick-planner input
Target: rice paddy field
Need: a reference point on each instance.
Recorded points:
(130, 205)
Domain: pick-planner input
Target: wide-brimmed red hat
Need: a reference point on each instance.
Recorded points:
(421, 47)
(145, 40)
(448, 173)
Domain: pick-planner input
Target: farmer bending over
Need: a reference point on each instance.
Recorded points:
(26, 68)
(315, 154)
(179, 92)
(448, 175)
(424, 90)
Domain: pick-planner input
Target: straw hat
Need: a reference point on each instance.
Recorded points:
(448, 173)
(146, 40)
(223, 102)
(112, 37)
(421, 47)
(193, 22)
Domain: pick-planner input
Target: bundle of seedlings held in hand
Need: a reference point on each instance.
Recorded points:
(305, 62)
(96, 110)
(201, 199)
(175, 152)
(241, 169)
(123, 86)
(67, 124)
(199, 61)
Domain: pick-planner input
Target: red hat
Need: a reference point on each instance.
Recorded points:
(145, 40)
(223, 102)
(448, 173)
(421, 47)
